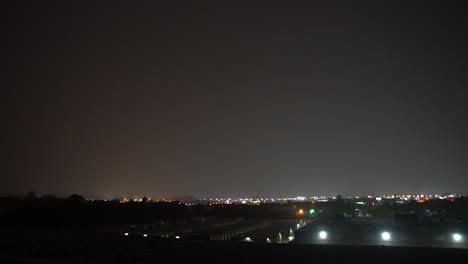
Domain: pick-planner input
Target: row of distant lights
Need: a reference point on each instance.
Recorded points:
(386, 236)
(323, 235)
(146, 235)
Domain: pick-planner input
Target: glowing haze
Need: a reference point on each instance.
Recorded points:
(204, 101)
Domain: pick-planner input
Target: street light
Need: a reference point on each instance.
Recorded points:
(322, 235)
(385, 236)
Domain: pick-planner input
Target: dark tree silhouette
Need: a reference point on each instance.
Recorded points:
(76, 199)
(31, 194)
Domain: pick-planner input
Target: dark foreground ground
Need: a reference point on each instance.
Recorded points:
(122, 250)
(73, 230)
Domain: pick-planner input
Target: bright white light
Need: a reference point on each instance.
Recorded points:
(385, 236)
(126, 234)
(322, 234)
(145, 235)
(177, 237)
(456, 237)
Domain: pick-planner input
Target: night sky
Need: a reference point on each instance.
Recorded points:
(235, 101)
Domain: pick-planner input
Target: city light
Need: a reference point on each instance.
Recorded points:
(322, 235)
(385, 236)
(255, 201)
(457, 237)
(145, 235)
(126, 234)
(177, 237)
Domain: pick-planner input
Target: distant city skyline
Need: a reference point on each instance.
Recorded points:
(440, 195)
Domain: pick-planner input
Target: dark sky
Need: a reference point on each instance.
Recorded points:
(235, 100)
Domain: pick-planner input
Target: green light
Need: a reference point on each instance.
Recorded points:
(312, 211)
